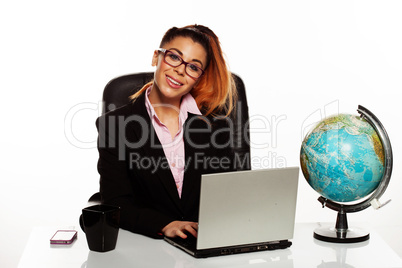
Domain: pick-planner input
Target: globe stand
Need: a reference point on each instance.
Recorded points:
(341, 233)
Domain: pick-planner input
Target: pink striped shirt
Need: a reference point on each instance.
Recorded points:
(173, 148)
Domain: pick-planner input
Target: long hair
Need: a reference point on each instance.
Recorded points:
(215, 92)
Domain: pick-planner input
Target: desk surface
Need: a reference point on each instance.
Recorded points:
(133, 250)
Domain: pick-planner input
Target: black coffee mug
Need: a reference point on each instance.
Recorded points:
(101, 226)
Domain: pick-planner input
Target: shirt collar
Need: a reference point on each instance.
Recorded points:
(187, 105)
(148, 104)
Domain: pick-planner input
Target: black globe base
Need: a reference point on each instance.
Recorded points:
(345, 236)
(341, 233)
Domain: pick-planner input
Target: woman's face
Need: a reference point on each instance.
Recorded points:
(173, 82)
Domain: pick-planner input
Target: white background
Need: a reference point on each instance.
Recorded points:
(300, 61)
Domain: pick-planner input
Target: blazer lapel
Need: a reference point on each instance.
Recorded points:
(153, 148)
(195, 141)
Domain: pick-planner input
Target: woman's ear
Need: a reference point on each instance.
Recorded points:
(155, 58)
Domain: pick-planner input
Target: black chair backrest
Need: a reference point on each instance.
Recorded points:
(118, 90)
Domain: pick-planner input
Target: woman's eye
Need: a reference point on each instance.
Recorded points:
(193, 67)
(174, 57)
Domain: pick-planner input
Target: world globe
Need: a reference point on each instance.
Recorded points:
(347, 159)
(343, 158)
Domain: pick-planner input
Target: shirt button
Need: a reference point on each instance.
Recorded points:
(173, 164)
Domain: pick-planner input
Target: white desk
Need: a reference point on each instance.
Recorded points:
(134, 250)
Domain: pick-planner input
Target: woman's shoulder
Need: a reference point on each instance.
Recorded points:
(136, 106)
(124, 112)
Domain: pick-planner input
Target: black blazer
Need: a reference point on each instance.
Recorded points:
(135, 175)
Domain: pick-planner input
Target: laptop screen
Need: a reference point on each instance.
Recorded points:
(246, 207)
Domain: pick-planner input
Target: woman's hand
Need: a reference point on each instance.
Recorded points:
(180, 228)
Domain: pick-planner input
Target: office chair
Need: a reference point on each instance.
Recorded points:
(118, 90)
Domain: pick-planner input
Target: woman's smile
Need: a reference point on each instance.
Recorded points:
(174, 83)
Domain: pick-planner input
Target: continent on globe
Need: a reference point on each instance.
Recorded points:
(342, 158)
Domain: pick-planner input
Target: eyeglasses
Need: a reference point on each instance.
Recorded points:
(175, 60)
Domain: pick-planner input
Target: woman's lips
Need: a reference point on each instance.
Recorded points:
(172, 82)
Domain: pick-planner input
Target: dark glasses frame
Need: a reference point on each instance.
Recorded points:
(181, 62)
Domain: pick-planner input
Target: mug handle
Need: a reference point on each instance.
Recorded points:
(82, 223)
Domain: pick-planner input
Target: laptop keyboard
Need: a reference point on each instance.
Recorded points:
(190, 242)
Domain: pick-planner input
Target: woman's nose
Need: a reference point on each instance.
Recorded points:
(181, 69)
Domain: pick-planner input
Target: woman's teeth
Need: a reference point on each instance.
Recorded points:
(173, 81)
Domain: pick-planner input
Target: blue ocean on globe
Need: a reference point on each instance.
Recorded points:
(342, 158)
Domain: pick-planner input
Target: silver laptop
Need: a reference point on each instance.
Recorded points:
(244, 211)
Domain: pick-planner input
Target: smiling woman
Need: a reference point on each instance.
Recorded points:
(156, 182)
(215, 89)
(171, 83)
